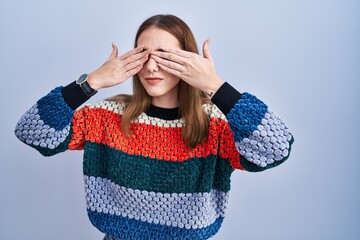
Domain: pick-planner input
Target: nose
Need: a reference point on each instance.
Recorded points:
(151, 65)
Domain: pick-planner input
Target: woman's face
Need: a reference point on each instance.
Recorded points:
(160, 85)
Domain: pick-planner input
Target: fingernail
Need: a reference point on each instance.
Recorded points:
(209, 40)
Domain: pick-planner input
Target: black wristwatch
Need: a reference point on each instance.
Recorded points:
(85, 86)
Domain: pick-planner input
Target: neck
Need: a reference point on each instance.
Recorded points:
(166, 101)
(164, 104)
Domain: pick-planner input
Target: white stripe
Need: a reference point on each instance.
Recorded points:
(115, 107)
(213, 111)
(118, 108)
(210, 109)
(190, 210)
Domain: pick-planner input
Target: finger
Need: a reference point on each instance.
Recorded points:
(206, 50)
(133, 71)
(170, 70)
(142, 56)
(169, 64)
(114, 52)
(177, 51)
(137, 56)
(135, 64)
(170, 56)
(131, 52)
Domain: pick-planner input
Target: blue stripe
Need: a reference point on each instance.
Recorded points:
(54, 111)
(246, 115)
(126, 228)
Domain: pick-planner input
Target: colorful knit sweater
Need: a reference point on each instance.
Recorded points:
(150, 185)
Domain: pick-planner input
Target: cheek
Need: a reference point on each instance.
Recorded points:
(172, 78)
(141, 73)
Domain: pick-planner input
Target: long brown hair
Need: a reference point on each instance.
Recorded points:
(190, 99)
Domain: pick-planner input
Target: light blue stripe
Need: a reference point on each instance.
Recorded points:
(33, 130)
(190, 210)
(268, 143)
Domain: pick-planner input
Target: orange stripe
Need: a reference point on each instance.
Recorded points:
(104, 127)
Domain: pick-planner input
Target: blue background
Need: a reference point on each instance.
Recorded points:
(301, 57)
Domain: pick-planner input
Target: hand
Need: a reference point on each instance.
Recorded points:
(194, 69)
(118, 69)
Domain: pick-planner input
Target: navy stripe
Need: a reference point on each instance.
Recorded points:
(54, 111)
(246, 115)
(126, 228)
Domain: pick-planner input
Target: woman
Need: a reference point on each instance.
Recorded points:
(157, 164)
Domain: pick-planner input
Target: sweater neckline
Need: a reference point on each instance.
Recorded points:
(163, 113)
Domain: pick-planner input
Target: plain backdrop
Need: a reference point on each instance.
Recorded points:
(301, 57)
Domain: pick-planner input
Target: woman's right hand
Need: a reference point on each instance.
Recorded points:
(118, 69)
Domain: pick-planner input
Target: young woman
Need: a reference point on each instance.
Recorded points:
(157, 164)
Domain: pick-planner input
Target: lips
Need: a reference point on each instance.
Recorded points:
(153, 80)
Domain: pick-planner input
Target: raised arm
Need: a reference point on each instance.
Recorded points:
(260, 135)
(53, 122)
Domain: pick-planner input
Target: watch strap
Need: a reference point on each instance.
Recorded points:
(85, 86)
(88, 90)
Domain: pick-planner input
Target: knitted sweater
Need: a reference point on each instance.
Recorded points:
(150, 185)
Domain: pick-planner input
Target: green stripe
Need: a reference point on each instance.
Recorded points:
(144, 173)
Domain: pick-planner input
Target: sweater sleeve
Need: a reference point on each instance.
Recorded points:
(260, 136)
(52, 123)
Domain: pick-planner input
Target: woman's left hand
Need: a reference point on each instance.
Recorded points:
(192, 68)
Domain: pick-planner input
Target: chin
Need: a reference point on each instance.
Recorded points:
(155, 93)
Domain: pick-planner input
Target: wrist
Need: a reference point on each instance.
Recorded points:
(93, 82)
(214, 86)
(85, 86)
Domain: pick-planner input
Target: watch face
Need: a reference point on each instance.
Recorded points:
(82, 78)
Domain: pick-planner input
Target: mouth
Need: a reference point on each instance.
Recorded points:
(153, 80)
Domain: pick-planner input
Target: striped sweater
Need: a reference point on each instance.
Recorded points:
(150, 185)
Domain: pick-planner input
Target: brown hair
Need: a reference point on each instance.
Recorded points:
(190, 99)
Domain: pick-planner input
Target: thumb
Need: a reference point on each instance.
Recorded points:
(114, 52)
(206, 50)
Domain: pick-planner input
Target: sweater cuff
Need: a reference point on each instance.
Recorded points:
(226, 97)
(73, 95)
